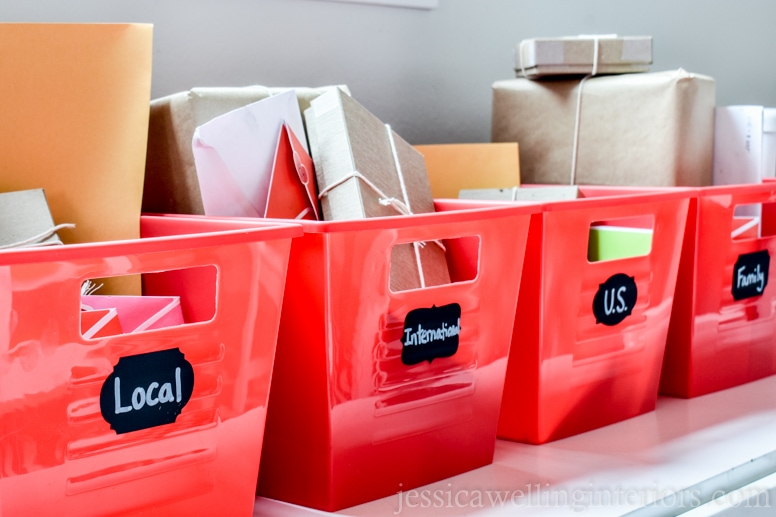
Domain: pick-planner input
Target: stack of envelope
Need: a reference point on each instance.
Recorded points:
(254, 162)
(171, 178)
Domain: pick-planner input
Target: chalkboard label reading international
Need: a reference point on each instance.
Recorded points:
(430, 333)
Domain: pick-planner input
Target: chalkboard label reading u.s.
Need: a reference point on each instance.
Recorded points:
(615, 299)
(750, 274)
(430, 333)
(146, 390)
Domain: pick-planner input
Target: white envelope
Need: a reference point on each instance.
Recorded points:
(744, 149)
(234, 154)
(738, 132)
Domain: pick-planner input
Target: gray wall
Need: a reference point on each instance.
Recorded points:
(428, 73)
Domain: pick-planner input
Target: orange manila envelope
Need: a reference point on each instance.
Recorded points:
(75, 105)
(453, 167)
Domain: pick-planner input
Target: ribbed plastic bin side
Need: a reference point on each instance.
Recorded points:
(589, 336)
(350, 418)
(723, 327)
(63, 451)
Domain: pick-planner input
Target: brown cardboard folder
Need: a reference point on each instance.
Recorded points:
(75, 105)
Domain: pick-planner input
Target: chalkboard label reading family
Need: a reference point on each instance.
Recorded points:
(750, 274)
(615, 299)
(146, 390)
(430, 333)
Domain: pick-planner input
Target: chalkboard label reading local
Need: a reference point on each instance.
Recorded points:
(146, 390)
(615, 299)
(750, 274)
(430, 333)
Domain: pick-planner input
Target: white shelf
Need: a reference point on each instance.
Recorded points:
(687, 451)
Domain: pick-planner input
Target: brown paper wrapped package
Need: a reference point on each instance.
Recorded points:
(25, 220)
(538, 57)
(171, 184)
(652, 129)
(346, 138)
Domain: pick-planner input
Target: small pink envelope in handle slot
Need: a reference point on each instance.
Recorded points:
(138, 313)
(97, 323)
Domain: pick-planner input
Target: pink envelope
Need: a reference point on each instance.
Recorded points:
(99, 323)
(292, 190)
(139, 313)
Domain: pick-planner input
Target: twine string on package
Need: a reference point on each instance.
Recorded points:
(401, 206)
(593, 72)
(38, 240)
(578, 116)
(415, 245)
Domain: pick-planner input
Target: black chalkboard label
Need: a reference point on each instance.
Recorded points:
(750, 274)
(615, 299)
(146, 390)
(430, 333)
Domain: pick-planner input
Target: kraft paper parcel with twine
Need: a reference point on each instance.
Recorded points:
(171, 184)
(25, 220)
(645, 129)
(74, 103)
(568, 55)
(364, 169)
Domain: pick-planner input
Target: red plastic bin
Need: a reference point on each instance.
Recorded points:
(348, 420)
(723, 328)
(568, 372)
(59, 455)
